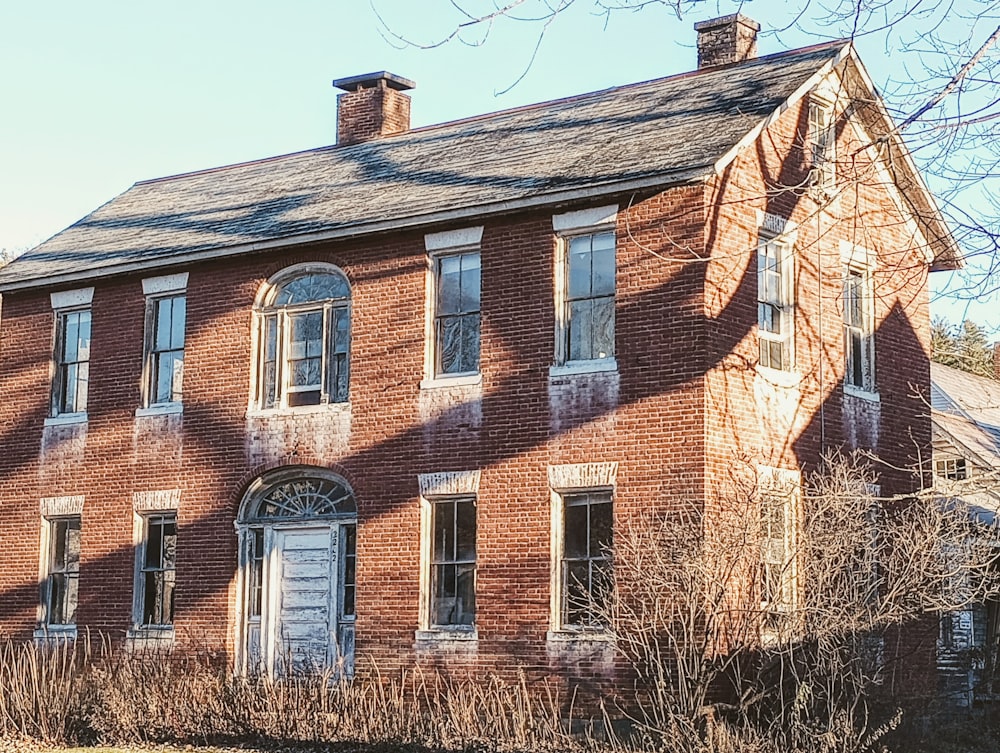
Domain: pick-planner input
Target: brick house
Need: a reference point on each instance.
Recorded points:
(392, 397)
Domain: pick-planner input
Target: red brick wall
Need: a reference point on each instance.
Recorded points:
(685, 405)
(365, 114)
(653, 429)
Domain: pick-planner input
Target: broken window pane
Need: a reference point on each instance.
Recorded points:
(64, 571)
(158, 571)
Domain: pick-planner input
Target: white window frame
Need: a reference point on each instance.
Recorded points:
(54, 510)
(442, 488)
(282, 315)
(783, 301)
(65, 304)
(564, 481)
(157, 290)
(448, 243)
(147, 506)
(779, 488)
(859, 264)
(952, 468)
(822, 145)
(568, 226)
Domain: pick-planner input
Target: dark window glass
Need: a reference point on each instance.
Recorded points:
(453, 562)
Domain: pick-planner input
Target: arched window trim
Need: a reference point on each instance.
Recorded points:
(302, 350)
(264, 486)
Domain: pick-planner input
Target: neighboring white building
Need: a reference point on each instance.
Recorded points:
(965, 419)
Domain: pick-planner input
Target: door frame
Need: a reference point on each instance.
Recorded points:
(335, 520)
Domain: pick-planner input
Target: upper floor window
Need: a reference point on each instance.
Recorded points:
(72, 362)
(456, 313)
(823, 145)
(304, 334)
(166, 317)
(165, 342)
(859, 335)
(775, 303)
(588, 306)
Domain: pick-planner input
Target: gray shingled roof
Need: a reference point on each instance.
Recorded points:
(967, 407)
(655, 133)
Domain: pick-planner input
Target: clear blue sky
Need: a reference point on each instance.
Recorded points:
(96, 95)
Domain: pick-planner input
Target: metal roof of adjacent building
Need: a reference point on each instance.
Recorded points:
(967, 408)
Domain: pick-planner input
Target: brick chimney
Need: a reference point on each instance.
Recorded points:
(372, 105)
(729, 39)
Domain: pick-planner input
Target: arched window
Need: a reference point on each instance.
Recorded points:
(301, 497)
(304, 320)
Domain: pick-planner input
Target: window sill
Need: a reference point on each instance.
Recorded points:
(579, 636)
(446, 635)
(66, 418)
(584, 367)
(459, 380)
(779, 377)
(850, 389)
(301, 410)
(55, 633)
(153, 636)
(160, 409)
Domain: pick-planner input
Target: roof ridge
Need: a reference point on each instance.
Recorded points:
(508, 111)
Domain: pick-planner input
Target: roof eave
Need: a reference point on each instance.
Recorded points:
(663, 180)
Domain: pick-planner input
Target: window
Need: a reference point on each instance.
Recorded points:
(823, 145)
(859, 340)
(453, 563)
(165, 349)
(456, 315)
(775, 299)
(157, 570)
(953, 469)
(60, 588)
(72, 362)
(304, 333)
(585, 576)
(588, 309)
(778, 524)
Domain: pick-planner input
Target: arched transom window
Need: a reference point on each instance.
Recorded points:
(302, 497)
(304, 338)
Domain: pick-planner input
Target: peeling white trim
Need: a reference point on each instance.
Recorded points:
(68, 299)
(56, 507)
(583, 476)
(466, 237)
(153, 501)
(582, 219)
(449, 483)
(165, 284)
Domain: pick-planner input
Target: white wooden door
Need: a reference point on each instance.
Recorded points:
(302, 603)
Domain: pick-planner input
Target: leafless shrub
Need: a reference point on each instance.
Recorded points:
(720, 664)
(44, 690)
